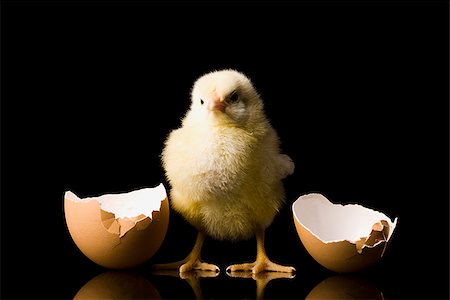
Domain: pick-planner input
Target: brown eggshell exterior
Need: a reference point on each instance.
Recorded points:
(84, 222)
(338, 256)
(118, 285)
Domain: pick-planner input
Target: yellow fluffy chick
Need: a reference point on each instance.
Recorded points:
(225, 168)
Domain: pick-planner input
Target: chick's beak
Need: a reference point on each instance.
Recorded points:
(215, 103)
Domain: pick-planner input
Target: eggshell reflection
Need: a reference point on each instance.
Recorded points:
(342, 238)
(118, 285)
(118, 230)
(344, 287)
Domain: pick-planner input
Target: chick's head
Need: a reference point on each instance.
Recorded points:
(226, 97)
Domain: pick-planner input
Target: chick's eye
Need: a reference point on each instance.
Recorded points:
(234, 96)
(202, 102)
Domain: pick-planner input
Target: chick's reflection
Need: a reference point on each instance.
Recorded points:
(192, 278)
(344, 287)
(262, 279)
(226, 284)
(118, 285)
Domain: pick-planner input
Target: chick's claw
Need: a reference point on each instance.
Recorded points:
(198, 265)
(184, 266)
(260, 266)
(196, 274)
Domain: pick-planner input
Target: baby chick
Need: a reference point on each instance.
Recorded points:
(225, 168)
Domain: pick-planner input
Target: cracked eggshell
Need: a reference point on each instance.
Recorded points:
(342, 238)
(118, 231)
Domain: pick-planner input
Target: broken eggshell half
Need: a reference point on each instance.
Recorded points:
(342, 238)
(118, 231)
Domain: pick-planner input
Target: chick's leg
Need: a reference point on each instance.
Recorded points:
(192, 261)
(262, 262)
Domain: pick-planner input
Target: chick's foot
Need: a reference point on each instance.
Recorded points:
(260, 266)
(187, 265)
(262, 263)
(198, 265)
(192, 261)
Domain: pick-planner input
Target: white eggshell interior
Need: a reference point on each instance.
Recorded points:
(130, 204)
(336, 222)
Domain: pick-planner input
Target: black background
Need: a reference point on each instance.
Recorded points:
(358, 92)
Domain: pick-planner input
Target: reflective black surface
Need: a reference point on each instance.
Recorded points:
(358, 92)
(133, 285)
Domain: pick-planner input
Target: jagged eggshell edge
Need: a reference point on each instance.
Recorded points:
(115, 243)
(343, 255)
